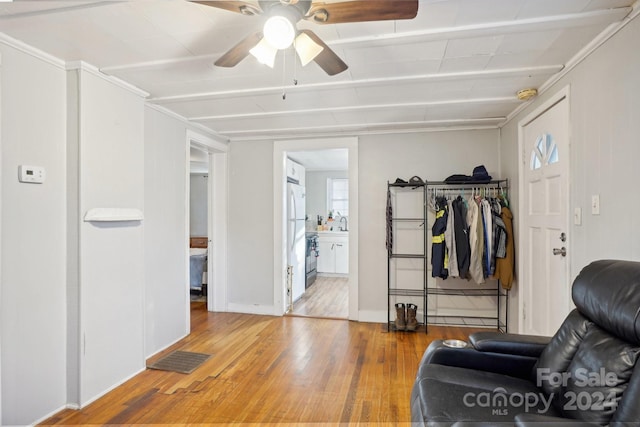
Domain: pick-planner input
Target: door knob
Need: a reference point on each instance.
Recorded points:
(562, 251)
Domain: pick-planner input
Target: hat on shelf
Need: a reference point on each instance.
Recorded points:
(480, 175)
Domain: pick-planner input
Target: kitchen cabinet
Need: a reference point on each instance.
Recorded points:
(334, 253)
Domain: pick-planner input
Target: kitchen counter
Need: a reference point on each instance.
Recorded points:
(333, 233)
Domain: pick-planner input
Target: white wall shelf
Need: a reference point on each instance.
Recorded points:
(113, 215)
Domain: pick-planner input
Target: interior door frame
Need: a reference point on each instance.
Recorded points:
(217, 221)
(0, 246)
(562, 94)
(280, 149)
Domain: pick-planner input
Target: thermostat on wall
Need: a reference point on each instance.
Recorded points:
(31, 174)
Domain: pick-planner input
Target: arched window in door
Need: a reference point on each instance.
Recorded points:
(544, 153)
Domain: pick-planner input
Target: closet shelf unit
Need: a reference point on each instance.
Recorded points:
(499, 320)
(415, 225)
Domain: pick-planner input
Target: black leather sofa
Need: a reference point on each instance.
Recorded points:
(586, 374)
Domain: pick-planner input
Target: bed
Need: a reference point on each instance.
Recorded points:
(198, 264)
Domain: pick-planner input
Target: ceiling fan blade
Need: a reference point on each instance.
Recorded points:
(243, 7)
(362, 10)
(239, 51)
(327, 59)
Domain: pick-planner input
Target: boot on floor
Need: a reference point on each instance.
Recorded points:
(412, 322)
(400, 322)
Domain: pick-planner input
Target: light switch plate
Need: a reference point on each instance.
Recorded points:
(577, 216)
(31, 174)
(595, 204)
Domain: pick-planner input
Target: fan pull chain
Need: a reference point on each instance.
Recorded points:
(284, 75)
(295, 67)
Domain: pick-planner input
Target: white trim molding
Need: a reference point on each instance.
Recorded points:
(84, 66)
(32, 51)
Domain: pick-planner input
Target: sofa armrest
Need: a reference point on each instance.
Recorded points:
(536, 420)
(495, 342)
(508, 364)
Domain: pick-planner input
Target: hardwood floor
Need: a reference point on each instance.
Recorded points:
(328, 297)
(273, 370)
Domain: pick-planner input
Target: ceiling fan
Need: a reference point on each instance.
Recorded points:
(280, 29)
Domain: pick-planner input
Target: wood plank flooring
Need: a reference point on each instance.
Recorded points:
(328, 297)
(273, 370)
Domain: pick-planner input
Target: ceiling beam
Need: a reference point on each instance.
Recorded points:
(301, 88)
(365, 128)
(262, 114)
(542, 23)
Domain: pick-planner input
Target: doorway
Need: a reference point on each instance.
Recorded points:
(326, 248)
(544, 207)
(281, 150)
(215, 168)
(198, 223)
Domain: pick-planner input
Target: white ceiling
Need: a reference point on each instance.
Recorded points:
(459, 63)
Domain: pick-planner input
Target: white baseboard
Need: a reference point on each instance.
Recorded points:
(372, 316)
(250, 309)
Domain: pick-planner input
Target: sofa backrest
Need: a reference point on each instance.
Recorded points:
(589, 363)
(608, 293)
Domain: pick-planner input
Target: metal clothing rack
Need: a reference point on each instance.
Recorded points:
(418, 222)
(498, 321)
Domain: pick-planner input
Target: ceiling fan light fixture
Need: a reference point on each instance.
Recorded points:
(279, 32)
(265, 53)
(306, 48)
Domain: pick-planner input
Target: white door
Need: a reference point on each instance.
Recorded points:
(545, 201)
(326, 260)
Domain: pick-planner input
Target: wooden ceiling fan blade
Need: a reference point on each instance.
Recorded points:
(362, 11)
(243, 7)
(239, 51)
(326, 59)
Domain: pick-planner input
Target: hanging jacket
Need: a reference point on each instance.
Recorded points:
(463, 251)
(389, 211)
(505, 266)
(500, 233)
(487, 225)
(449, 240)
(476, 241)
(438, 246)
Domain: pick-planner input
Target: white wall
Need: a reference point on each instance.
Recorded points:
(432, 156)
(73, 311)
(198, 212)
(33, 282)
(250, 226)
(604, 128)
(316, 191)
(165, 267)
(110, 174)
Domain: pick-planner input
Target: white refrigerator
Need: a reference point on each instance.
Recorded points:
(296, 238)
